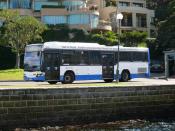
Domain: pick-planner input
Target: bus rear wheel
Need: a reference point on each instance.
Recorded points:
(125, 76)
(52, 82)
(68, 78)
(108, 80)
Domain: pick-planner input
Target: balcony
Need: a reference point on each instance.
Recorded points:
(84, 10)
(24, 12)
(133, 9)
(104, 26)
(53, 11)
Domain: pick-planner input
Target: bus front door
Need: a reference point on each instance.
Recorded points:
(52, 67)
(108, 67)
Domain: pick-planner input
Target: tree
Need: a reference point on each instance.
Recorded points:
(56, 33)
(78, 35)
(166, 34)
(133, 38)
(105, 38)
(62, 32)
(17, 31)
(164, 23)
(166, 31)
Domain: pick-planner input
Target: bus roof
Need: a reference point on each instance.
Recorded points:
(33, 47)
(88, 46)
(37, 44)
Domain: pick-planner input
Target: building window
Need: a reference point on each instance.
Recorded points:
(123, 3)
(152, 20)
(39, 3)
(53, 20)
(94, 58)
(141, 20)
(78, 19)
(139, 56)
(127, 19)
(138, 4)
(125, 56)
(94, 19)
(25, 4)
(74, 5)
(3, 4)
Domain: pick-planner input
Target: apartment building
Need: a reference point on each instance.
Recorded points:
(136, 16)
(87, 14)
(75, 13)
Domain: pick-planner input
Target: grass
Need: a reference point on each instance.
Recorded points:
(11, 74)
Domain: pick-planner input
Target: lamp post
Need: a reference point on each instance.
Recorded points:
(119, 17)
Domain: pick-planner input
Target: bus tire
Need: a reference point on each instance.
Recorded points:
(125, 76)
(52, 82)
(68, 78)
(108, 80)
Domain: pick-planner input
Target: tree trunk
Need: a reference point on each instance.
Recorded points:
(17, 60)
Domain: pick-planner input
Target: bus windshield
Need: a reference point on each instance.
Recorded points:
(32, 61)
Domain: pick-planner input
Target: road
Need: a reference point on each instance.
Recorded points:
(154, 80)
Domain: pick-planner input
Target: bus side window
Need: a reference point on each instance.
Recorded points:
(84, 58)
(81, 57)
(94, 58)
(38, 53)
(67, 57)
(42, 62)
(140, 56)
(125, 56)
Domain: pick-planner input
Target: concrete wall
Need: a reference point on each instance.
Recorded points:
(38, 107)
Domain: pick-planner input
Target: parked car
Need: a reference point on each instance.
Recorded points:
(157, 68)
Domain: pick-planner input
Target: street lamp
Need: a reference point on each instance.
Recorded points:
(118, 17)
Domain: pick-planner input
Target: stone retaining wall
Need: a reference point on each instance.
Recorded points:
(62, 106)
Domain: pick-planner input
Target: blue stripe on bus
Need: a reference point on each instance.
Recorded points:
(39, 78)
(87, 77)
(144, 75)
(99, 77)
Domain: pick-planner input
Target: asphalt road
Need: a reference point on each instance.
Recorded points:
(153, 80)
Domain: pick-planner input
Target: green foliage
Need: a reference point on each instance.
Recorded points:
(17, 31)
(165, 23)
(77, 35)
(152, 44)
(171, 7)
(166, 34)
(154, 4)
(166, 31)
(110, 3)
(133, 39)
(63, 33)
(7, 58)
(105, 38)
(56, 33)
(142, 44)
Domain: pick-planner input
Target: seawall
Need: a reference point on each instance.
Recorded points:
(63, 106)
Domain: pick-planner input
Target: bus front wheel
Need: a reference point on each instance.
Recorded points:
(52, 82)
(125, 76)
(68, 78)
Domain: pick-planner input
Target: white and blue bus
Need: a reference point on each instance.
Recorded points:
(67, 62)
(32, 58)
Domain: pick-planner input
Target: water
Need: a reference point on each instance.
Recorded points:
(130, 125)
